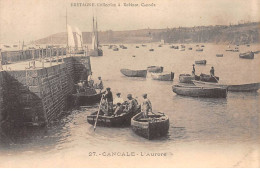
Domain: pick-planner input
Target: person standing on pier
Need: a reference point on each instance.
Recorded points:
(146, 106)
(212, 72)
(109, 100)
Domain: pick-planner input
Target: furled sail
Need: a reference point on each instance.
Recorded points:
(71, 41)
(79, 37)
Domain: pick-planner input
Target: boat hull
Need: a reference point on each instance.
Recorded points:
(202, 62)
(163, 77)
(155, 69)
(186, 78)
(194, 91)
(122, 120)
(83, 98)
(248, 55)
(134, 73)
(235, 88)
(150, 129)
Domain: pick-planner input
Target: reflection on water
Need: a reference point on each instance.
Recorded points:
(234, 119)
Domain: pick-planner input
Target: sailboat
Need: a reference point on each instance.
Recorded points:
(75, 40)
(95, 51)
(79, 41)
(151, 49)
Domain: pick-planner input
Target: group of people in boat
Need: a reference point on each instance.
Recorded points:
(88, 83)
(212, 71)
(116, 106)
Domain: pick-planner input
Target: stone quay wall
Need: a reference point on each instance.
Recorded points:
(38, 96)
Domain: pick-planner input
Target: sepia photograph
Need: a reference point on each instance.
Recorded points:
(129, 83)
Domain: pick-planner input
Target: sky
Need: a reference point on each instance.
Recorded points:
(34, 19)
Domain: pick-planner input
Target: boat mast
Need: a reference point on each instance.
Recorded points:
(97, 33)
(67, 29)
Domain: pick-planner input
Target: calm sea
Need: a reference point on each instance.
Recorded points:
(200, 128)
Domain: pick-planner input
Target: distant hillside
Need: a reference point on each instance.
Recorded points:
(233, 34)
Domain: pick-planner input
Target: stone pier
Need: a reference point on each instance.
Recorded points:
(36, 96)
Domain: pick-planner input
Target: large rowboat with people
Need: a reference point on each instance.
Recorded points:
(154, 126)
(121, 120)
(134, 73)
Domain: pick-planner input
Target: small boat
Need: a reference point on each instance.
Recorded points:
(190, 48)
(156, 69)
(124, 47)
(115, 49)
(163, 76)
(182, 46)
(199, 50)
(87, 97)
(15, 45)
(207, 78)
(194, 91)
(137, 47)
(159, 45)
(247, 55)
(201, 62)
(151, 49)
(182, 49)
(133, 56)
(186, 78)
(197, 45)
(202, 46)
(256, 52)
(121, 120)
(143, 45)
(134, 73)
(236, 88)
(176, 47)
(173, 47)
(156, 125)
(236, 50)
(231, 50)
(244, 87)
(248, 45)
(219, 55)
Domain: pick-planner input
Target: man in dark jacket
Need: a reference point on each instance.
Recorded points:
(109, 99)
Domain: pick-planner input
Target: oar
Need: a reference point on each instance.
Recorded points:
(98, 113)
(215, 78)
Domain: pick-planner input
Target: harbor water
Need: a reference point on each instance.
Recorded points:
(223, 131)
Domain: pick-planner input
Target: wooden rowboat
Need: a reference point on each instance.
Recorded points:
(134, 73)
(199, 50)
(84, 98)
(155, 69)
(207, 78)
(121, 120)
(163, 76)
(194, 91)
(219, 55)
(156, 125)
(235, 88)
(247, 55)
(186, 78)
(201, 62)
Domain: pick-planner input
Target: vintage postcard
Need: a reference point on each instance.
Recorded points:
(129, 83)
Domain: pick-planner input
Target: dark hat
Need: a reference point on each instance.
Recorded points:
(108, 88)
(99, 77)
(145, 95)
(129, 96)
(118, 93)
(193, 64)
